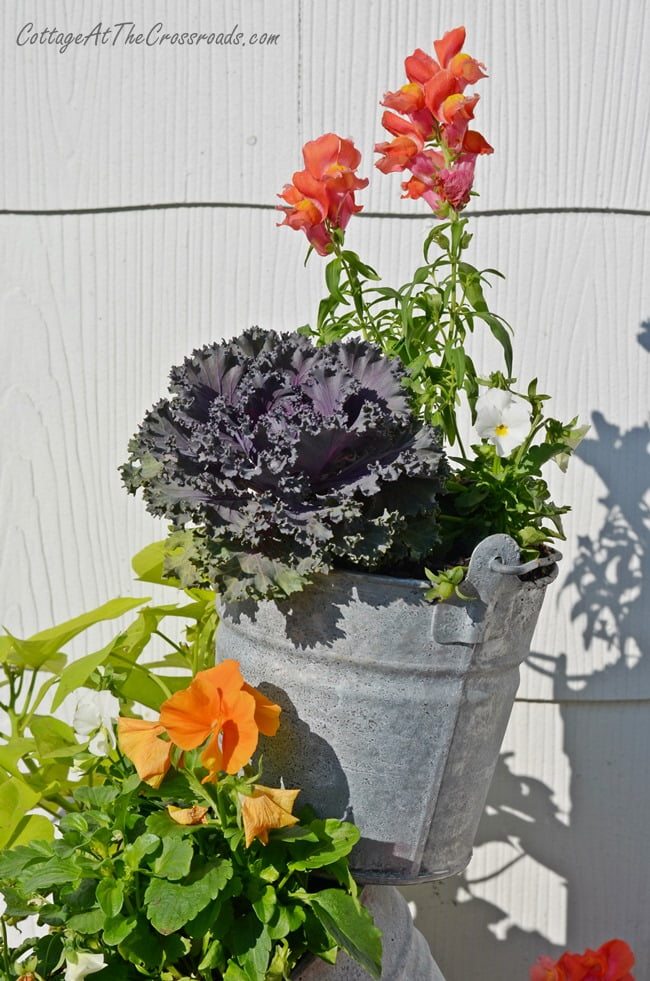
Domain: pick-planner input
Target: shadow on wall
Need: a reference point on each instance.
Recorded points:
(598, 858)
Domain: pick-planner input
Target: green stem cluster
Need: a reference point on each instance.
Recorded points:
(426, 323)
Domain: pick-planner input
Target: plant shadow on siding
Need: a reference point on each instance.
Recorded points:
(606, 733)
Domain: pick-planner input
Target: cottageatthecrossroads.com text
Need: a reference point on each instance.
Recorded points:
(127, 33)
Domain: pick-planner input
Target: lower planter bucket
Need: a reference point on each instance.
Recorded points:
(394, 709)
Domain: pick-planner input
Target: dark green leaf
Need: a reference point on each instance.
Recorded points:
(335, 839)
(88, 922)
(96, 797)
(266, 904)
(214, 958)
(351, 926)
(118, 929)
(110, 896)
(500, 332)
(333, 278)
(53, 872)
(142, 947)
(136, 850)
(48, 950)
(171, 905)
(175, 859)
(251, 944)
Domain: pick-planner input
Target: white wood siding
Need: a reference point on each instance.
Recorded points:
(97, 306)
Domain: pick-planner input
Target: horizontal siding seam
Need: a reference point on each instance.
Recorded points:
(583, 701)
(241, 205)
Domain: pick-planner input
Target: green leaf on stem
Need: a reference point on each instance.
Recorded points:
(110, 896)
(175, 859)
(148, 564)
(350, 925)
(16, 798)
(335, 839)
(170, 905)
(37, 650)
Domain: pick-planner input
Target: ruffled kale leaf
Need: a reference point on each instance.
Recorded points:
(275, 459)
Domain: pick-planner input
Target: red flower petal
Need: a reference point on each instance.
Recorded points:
(420, 67)
(449, 45)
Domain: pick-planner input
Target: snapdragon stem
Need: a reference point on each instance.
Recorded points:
(454, 253)
(355, 286)
(366, 319)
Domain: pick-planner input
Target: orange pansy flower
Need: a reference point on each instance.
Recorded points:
(151, 756)
(219, 708)
(216, 707)
(266, 808)
(267, 713)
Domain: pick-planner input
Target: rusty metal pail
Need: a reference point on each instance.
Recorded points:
(394, 709)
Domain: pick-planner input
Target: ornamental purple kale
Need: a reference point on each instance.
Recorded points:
(275, 459)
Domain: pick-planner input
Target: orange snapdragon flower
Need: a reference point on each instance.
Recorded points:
(217, 708)
(402, 151)
(266, 808)
(434, 140)
(321, 196)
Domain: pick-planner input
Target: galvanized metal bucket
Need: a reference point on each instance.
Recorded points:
(394, 710)
(406, 954)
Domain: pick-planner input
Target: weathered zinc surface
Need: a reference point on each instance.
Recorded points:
(394, 710)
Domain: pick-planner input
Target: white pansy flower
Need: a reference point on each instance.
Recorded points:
(80, 963)
(501, 420)
(95, 717)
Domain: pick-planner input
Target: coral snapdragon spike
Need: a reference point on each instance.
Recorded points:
(267, 808)
(321, 197)
(332, 158)
(438, 116)
(611, 962)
